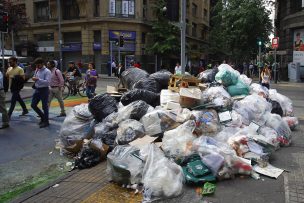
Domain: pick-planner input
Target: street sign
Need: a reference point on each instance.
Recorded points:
(275, 43)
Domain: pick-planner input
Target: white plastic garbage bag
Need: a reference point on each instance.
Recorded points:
(256, 88)
(271, 136)
(162, 178)
(245, 79)
(177, 142)
(280, 126)
(217, 95)
(252, 108)
(284, 101)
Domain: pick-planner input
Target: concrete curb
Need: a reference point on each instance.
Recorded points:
(41, 189)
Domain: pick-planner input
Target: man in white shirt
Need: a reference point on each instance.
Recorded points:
(178, 69)
(113, 67)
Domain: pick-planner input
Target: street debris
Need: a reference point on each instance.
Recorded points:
(157, 139)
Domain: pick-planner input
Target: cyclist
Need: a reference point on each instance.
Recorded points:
(91, 80)
(73, 76)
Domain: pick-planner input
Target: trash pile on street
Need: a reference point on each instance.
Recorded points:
(231, 126)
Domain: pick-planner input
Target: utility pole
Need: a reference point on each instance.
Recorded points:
(13, 43)
(183, 34)
(111, 52)
(275, 67)
(59, 32)
(260, 44)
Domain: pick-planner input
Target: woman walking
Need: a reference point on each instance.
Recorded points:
(265, 76)
(91, 80)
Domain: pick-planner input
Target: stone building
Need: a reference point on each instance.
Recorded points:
(88, 28)
(289, 27)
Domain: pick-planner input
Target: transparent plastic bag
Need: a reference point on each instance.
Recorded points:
(252, 108)
(236, 120)
(213, 161)
(284, 101)
(226, 133)
(159, 121)
(280, 126)
(271, 136)
(245, 79)
(124, 165)
(162, 178)
(206, 121)
(136, 110)
(74, 130)
(218, 96)
(292, 122)
(177, 142)
(128, 131)
(259, 89)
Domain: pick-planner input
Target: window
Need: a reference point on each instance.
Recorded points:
(194, 10)
(145, 9)
(122, 8)
(143, 38)
(23, 38)
(97, 36)
(70, 10)
(96, 8)
(194, 27)
(72, 37)
(187, 26)
(44, 39)
(41, 11)
(205, 13)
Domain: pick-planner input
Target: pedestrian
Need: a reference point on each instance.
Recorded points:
(178, 69)
(251, 70)
(3, 111)
(120, 69)
(91, 80)
(137, 65)
(42, 79)
(16, 79)
(73, 75)
(113, 68)
(56, 86)
(265, 77)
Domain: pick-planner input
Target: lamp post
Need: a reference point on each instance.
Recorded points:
(59, 32)
(183, 35)
(260, 44)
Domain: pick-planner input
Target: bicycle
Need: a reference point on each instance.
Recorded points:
(68, 87)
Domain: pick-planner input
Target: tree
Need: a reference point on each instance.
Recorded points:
(164, 36)
(17, 16)
(237, 26)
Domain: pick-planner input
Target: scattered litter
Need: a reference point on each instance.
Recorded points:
(269, 171)
(208, 188)
(56, 185)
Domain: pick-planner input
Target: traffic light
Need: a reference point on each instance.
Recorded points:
(121, 41)
(172, 10)
(4, 22)
(260, 43)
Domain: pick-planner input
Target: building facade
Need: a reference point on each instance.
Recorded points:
(289, 27)
(90, 28)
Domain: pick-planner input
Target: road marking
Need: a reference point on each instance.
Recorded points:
(286, 188)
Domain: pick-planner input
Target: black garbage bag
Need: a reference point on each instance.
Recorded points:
(136, 110)
(276, 107)
(101, 106)
(162, 77)
(148, 84)
(208, 75)
(87, 158)
(138, 94)
(132, 75)
(106, 132)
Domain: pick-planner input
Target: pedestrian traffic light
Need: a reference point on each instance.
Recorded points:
(260, 43)
(4, 22)
(121, 41)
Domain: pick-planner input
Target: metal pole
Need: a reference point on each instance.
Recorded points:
(183, 35)
(259, 63)
(111, 52)
(119, 54)
(275, 66)
(13, 43)
(2, 50)
(59, 32)
(2, 66)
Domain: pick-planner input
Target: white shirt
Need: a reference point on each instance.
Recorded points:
(178, 70)
(113, 65)
(1, 81)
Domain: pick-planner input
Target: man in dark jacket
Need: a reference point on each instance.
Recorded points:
(16, 78)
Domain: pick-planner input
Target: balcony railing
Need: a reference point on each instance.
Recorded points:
(120, 15)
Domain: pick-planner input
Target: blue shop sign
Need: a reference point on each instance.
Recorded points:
(128, 35)
(71, 47)
(96, 46)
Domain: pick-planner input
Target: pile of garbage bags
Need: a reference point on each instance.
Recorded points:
(219, 138)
